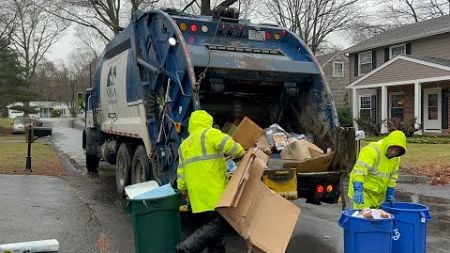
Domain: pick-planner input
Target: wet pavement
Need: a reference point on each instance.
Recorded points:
(315, 231)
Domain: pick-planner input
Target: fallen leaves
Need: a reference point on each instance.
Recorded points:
(102, 243)
(439, 174)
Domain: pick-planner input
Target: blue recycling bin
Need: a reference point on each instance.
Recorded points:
(410, 226)
(366, 235)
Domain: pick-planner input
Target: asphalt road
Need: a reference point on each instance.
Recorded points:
(84, 213)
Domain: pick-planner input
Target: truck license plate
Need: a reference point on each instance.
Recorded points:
(256, 35)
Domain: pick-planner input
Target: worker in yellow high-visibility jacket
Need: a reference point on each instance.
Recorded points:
(375, 173)
(202, 176)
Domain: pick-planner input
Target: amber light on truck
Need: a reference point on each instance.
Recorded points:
(183, 26)
(330, 188)
(276, 36)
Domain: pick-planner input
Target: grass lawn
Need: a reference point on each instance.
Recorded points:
(421, 155)
(13, 152)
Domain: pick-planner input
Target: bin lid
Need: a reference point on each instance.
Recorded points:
(149, 190)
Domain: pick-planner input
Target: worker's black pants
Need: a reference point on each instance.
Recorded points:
(210, 235)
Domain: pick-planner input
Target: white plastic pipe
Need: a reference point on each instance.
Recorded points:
(29, 247)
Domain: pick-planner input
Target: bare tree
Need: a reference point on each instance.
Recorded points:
(106, 17)
(313, 20)
(36, 32)
(407, 11)
(8, 23)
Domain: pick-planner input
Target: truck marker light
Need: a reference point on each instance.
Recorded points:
(241, 28)
(223, 26)
(194, 28)
(172, 41)
(204, 28)
(329, 188)
(276, 36)
(320, 189)
(183, 26)
(268, 35)
(283, 32)
(178, 127)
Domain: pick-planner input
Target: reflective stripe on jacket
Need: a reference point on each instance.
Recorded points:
(202, 167)
(375, 170)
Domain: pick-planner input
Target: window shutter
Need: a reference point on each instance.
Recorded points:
(408, 48)
(374, 59)
(373, 103)
(386, 54)
(445, 95)
(355, 62)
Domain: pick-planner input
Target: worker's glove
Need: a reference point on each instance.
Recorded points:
(390, 194)
(358, 194)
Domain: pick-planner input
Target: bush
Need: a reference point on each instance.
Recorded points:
(55, 113)
(345, 116)
(407, 126)
(369, 126)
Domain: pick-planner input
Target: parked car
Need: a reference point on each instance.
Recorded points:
(19, 122)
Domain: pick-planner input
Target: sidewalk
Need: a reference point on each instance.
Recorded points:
(41, 208)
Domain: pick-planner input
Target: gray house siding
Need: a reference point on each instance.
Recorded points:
(338, 84)
(401, 70)
(435, 46)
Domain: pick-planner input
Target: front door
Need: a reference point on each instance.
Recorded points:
(432, 121)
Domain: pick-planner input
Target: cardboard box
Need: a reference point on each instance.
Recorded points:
(262, 217)
(300, 150)
(319, 163)
(247, 132)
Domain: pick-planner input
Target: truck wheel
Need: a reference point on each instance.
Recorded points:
(123, 167)
(92, 163)
(140, 170)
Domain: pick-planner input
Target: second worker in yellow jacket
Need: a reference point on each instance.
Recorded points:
(202, 175)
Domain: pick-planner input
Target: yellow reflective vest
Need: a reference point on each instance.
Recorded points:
(375, 170)
(201, 166)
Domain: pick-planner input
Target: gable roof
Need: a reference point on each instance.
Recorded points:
(437, 63)
(405, 33)
(324, 59)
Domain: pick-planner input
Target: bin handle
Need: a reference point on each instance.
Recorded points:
(425, 216)
(343, 220)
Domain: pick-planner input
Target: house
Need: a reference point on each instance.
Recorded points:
(404, 73)
(45, 109)
(335, 67)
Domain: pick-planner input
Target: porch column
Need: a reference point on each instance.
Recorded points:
(384, 112)
(355, 109)
(418, 105)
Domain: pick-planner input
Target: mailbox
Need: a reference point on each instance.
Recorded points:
(42, 131)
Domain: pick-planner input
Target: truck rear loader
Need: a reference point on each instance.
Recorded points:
(165, 65)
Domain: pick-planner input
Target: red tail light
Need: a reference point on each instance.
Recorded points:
(320, 189)
(283, 32)
(268, 35)
(194, 28)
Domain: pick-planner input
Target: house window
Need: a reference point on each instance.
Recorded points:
(364, 62)
(433, 106)
(397, 50)
(338, 69)
(396, 105)
(365, 107)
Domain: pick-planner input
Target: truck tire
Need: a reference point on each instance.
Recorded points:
(91, 163)
(140, 170)
(123, 168)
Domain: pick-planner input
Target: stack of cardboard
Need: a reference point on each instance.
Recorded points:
(262, 217)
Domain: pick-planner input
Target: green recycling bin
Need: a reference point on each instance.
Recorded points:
(156, 223)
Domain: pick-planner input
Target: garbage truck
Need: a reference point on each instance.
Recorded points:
(166, 64)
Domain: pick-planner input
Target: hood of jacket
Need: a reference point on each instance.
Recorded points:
(395, 138)
(200, 119)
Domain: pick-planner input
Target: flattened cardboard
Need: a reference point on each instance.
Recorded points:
(247, 132)
(255, 211)
(315, 164)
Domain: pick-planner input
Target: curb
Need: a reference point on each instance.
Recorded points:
(412, 179)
